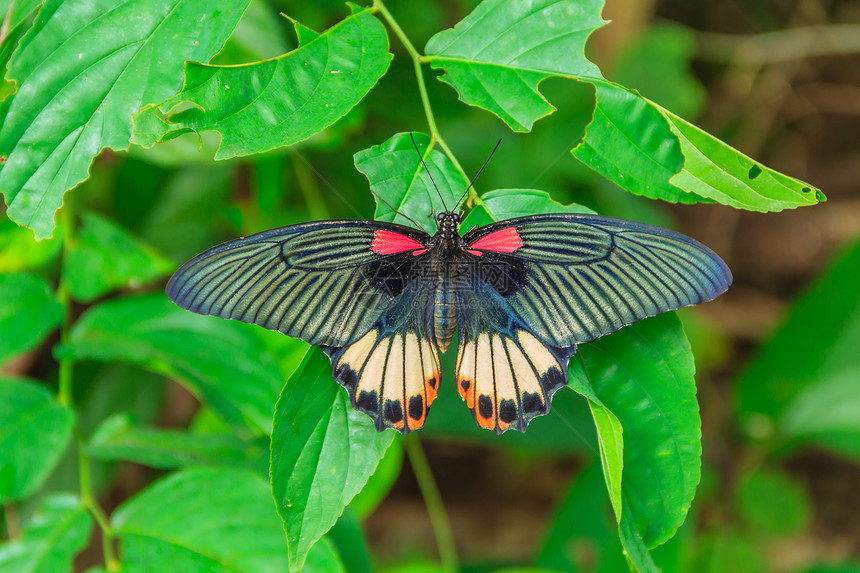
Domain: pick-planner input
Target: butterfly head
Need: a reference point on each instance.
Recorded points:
(447, 223)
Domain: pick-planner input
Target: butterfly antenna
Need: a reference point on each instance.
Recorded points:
(404, 215)
(466, 192)
(421, 157)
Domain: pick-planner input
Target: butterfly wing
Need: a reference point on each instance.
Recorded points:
(327, 282)
(573, 278)
(392, 372)
(505, 374)
(359, 289)
(542, 284)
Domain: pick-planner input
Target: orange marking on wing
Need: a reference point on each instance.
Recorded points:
(430, 390)
(390, 243)
(489, 422)
(468, 393)
(502, 241)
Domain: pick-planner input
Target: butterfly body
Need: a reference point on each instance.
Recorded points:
(383, 299)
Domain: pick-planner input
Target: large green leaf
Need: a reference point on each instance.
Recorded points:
(29, 312)
(397, 175)
(323, 452)
(222, 362)
(104, 256)
(118, 439)
(803, 383)
(644, 375)
(260, 106)
(496, 57)
(215, 520)
(83, 70)
(34, 433)
(50, 539)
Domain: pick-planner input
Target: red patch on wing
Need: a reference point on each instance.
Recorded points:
(503, 241)
(390, 243)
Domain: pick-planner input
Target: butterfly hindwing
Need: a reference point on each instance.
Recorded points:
(505, 374)
(392, 372)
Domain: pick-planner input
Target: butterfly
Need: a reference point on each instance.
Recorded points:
(383, 299)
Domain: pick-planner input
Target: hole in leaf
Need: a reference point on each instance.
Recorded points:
(755, 171)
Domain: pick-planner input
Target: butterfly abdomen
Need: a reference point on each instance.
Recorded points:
(444, 315)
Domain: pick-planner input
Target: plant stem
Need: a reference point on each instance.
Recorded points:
(65, 398)
(422, 87)
(433, 501)
(111, 562)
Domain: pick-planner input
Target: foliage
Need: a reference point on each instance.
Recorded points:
(275, 471)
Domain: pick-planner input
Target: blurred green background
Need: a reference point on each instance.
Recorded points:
(778, 356)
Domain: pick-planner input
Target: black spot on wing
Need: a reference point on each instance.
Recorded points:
(485, 406)
(432, 382)
(416, 407)
(507, 411)
(552, 380)
(393, 411)
(368, 402)
(465, 384)
(532, 403)
(347, 377)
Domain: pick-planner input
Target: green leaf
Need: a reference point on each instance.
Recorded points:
(496, 56)
(216, 520)
(717, 171)
(104, 257)
(118, 439)
(649, 151)
(803, 383)
(34, 433)
(611, 443)
(323, 452)
(274, 103)
(15, 24)
(29, 312)
(83, 70)
(222, 362)
(19, 249)
(396, 174)
(644, 375)
(610, 440)
(772, 503)
(380, 483)
(501, 204)
(50, 540)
